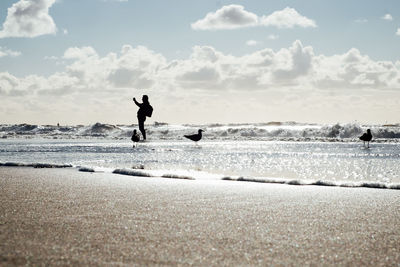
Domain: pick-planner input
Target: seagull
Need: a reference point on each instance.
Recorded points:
(366, 137)
(195, 137)
(135, 137)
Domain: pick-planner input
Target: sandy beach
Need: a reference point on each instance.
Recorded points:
(66, 217)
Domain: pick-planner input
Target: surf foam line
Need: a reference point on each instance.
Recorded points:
(378, 185)
(270, 131)
(130, 172)
(147, 174)
(35, 165)
(367, 184)
(159, 174)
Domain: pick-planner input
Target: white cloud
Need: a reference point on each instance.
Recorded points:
(90, 80)
(235, 16)
(354, 71)
(135, 67)
(29, 18)
(287, 18)
(7, 83)
(227, 17)
(79, 53)
(387, 17)
(293, 63)
(65, 31)
(4, 52)
(207, 68)
(204, 74)
(252, 43)
(398, 31)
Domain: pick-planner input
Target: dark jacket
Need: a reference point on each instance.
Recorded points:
(145, 109)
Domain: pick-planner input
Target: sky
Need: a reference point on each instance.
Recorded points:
(82, 61)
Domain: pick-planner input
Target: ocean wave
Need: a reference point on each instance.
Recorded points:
(140, 173)
(378, 185)
(177, 175)
(132, 172)
(35, 165)
(284, 131)
(86, 169)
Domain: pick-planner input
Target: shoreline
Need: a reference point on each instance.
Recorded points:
(141, 172)
(63, 216)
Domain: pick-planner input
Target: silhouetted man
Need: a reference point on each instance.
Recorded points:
(145, 110)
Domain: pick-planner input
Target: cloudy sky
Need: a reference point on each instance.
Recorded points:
(81, 62)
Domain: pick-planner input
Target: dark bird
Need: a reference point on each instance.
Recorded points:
(195, 137)
(135, 137)
(366, 137)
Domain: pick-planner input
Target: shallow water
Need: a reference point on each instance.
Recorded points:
(332, 162)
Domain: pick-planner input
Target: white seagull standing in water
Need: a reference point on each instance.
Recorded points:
(195, 137)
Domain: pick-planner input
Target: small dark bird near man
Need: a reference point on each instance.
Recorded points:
(135, 137)
(195, 137)
(366, 137)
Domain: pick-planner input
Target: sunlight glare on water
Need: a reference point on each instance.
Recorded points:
(292, 160)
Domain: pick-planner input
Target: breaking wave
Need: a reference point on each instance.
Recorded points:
(286, 131)
(168, 174)
(35, 165)
(379, 185)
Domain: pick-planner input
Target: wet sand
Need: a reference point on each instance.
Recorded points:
(66, 217)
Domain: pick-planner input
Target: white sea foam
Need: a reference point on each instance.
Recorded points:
(371, 184)
(195, 175)
(290, 131)
(86, 169)
(132, 172)
(34, 165)
(290, 153)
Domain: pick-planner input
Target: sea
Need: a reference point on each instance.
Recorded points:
(273, 152)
